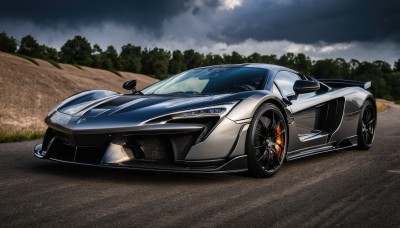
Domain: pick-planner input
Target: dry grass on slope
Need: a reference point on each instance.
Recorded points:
(28, 91)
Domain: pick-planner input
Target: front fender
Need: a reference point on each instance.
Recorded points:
(247, 107)
(86, 96)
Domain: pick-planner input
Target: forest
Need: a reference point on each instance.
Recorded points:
(161, 63)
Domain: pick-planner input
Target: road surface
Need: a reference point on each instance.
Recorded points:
(347, 188)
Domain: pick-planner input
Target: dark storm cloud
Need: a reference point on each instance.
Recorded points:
(309, 21)
(74, 13)
(300, 21)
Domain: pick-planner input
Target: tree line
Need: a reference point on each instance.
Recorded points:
(161, 63)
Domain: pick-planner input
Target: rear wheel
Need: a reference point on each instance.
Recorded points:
(366, 126)
(266, 141)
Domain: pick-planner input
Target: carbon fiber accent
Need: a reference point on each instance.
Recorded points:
(50, 134)
(153, 147)
(181, 145)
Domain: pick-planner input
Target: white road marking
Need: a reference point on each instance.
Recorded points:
(394, 171)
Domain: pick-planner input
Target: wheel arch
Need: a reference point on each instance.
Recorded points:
(278, 104)
(372, 100)
(247, 108)
(287, 116)
(252, 160)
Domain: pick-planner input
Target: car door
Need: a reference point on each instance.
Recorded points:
(309, 110)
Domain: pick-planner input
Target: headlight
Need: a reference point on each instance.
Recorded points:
(219, 111)
(74, 109)
(211, 111)
(60, 118)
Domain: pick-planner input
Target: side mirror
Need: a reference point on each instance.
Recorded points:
(130, 85)
(305, 86)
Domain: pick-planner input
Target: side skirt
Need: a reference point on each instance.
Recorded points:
(343, 144)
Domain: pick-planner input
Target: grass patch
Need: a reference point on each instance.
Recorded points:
(55, 64)
(115, 72)
(20, 135)
(77, 66)
(381, 107)
(32, 60)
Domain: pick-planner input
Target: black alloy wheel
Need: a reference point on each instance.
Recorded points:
(366, 126)
(266, 141)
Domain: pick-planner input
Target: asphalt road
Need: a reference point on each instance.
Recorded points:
(347, 188)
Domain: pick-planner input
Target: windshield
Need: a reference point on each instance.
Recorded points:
(213, 80)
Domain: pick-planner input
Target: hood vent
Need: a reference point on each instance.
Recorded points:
(116, 102)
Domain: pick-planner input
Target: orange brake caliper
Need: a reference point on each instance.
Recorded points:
(279, 139)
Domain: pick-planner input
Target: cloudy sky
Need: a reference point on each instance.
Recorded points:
(360, 29)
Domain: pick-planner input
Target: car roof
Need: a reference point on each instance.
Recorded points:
(256, 65)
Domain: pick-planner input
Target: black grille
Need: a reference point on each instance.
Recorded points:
(151, 147)
(50, 134)
(90, 149)
(161, 147)
(91, 155)
(181, 145)
(61, 151)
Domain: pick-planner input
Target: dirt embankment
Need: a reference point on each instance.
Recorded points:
(29, 91)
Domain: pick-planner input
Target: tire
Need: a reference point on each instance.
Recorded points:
(266, 141)
(366, 126)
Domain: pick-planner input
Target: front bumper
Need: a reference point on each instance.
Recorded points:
(173, 150)
(236, 164)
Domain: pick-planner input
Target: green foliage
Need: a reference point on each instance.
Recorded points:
(397, 66)
(383, 66)
(236, 58)
(161, 63)
(77, 51)
(388, 97)
(130, 58)
(326, 68)
(193, 59)
(48, 53)
(177, 63)
(30, 47)
(19, 135)
(97, 56)
(8, 43)
(110, 58)
(254, 58)
(155, 62)
(343, 68)
(211, 59)
(302, 63)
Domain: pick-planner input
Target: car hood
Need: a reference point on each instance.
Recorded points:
(117, 110)
(140, 105)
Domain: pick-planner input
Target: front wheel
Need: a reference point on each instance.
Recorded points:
(366, 126)
(266, 141)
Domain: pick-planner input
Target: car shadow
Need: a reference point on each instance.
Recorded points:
(125, 175)
(80, 172)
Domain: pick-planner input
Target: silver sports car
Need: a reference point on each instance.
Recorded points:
(225, 118)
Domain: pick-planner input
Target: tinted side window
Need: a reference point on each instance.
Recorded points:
(285, 81)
